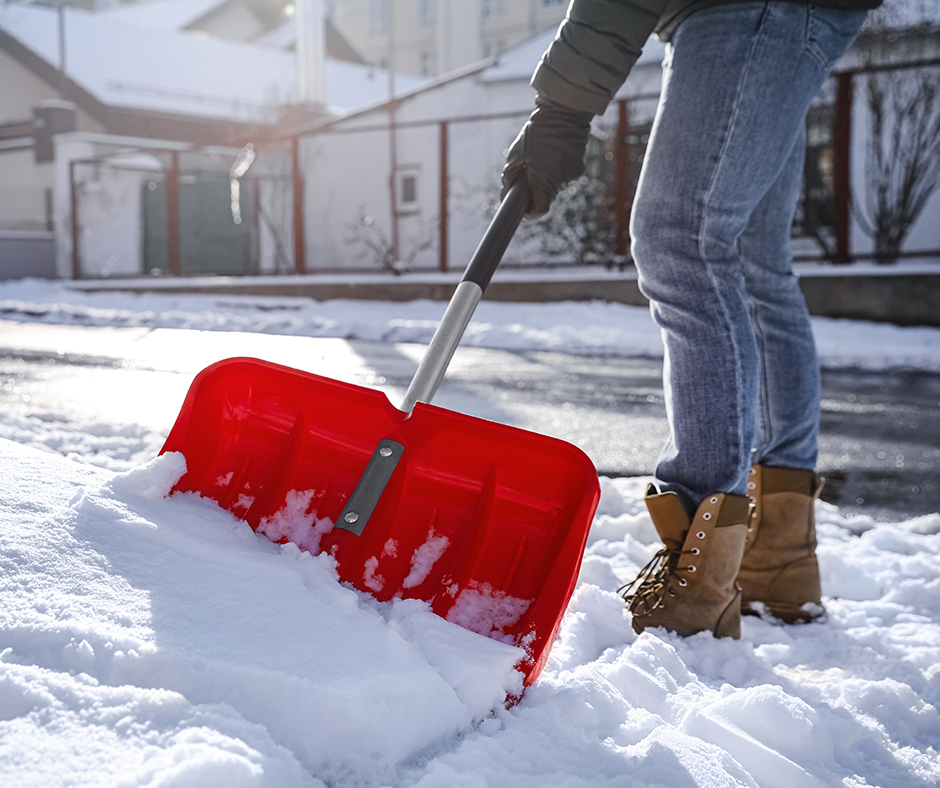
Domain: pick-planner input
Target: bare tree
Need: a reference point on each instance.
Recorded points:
(902, 167)
(580, 224)
(376, 247)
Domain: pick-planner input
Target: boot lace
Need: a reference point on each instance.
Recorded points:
(653, 584)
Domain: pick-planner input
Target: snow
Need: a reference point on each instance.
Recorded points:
(171, 71)
(588, 328)
(424, 559)
(154, 640)
(163, 14)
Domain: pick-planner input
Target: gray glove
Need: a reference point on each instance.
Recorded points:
(548, 153)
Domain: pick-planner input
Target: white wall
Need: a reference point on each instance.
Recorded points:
(347, 176)
(110, 239)
(347, 173)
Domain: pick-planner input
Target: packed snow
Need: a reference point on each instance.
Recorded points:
(149, 639)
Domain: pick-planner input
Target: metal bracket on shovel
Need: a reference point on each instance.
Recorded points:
(431, 370)
(371, 485)
(485, 522)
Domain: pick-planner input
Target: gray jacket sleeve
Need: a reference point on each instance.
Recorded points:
(596, 46)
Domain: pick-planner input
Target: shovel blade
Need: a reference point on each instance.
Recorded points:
(485, 522)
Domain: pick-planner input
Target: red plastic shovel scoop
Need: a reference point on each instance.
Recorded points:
(485, 522)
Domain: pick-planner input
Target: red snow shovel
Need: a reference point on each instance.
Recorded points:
(485, 522)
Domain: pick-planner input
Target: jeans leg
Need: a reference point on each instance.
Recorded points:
(788, 414)
(737, 82)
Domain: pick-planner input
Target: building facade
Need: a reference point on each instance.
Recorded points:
(431, 37)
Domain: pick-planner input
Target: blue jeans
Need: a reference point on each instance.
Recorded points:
(711, 239)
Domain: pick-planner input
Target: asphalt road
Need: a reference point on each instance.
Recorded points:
(879, 448)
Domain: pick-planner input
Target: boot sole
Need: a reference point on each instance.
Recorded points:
(788, 614)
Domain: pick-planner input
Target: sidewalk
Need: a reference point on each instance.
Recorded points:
(907, 293)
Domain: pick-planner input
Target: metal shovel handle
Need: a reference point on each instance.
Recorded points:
(361, 504)
(464, 302)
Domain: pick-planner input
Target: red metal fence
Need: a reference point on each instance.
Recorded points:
(282, 221)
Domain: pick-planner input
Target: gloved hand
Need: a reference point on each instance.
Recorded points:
(548, 152)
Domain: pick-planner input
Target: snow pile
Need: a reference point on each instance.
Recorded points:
(147, 640)
(569, 327)
(163, 642)
(114, 447)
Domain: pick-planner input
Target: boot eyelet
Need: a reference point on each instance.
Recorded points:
(671, 592)
(751, 486)
(690, 568)
(713, 499)
(695, 551)
(753, 470)
(707, 516)
(700, 534)
(683, 582)
(750, 530)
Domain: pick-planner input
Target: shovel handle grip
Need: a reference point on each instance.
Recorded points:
(468, 294)
(502, 228)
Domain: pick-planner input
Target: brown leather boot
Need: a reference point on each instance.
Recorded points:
(779, 567)
(689, 586)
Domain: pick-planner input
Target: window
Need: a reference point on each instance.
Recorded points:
(428, 64)
(490, 8)
(408, 177)
(409, 190)
(378, 17)
(427, 13)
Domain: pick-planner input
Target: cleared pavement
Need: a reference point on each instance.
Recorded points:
(880, 443)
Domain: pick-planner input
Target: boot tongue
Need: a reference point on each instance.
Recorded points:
(669, 517)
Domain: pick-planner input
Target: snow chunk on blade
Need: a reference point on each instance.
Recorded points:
(487, 611)
(424, 559)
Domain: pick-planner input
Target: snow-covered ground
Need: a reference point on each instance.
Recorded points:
(593, 328)
(148, 640)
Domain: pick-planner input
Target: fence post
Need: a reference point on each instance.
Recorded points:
(393, 178)
(842, 163)
(173, 215)
(49, 209)
(622, 180)
(73, 199)
(444, 186)
(297, 181)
